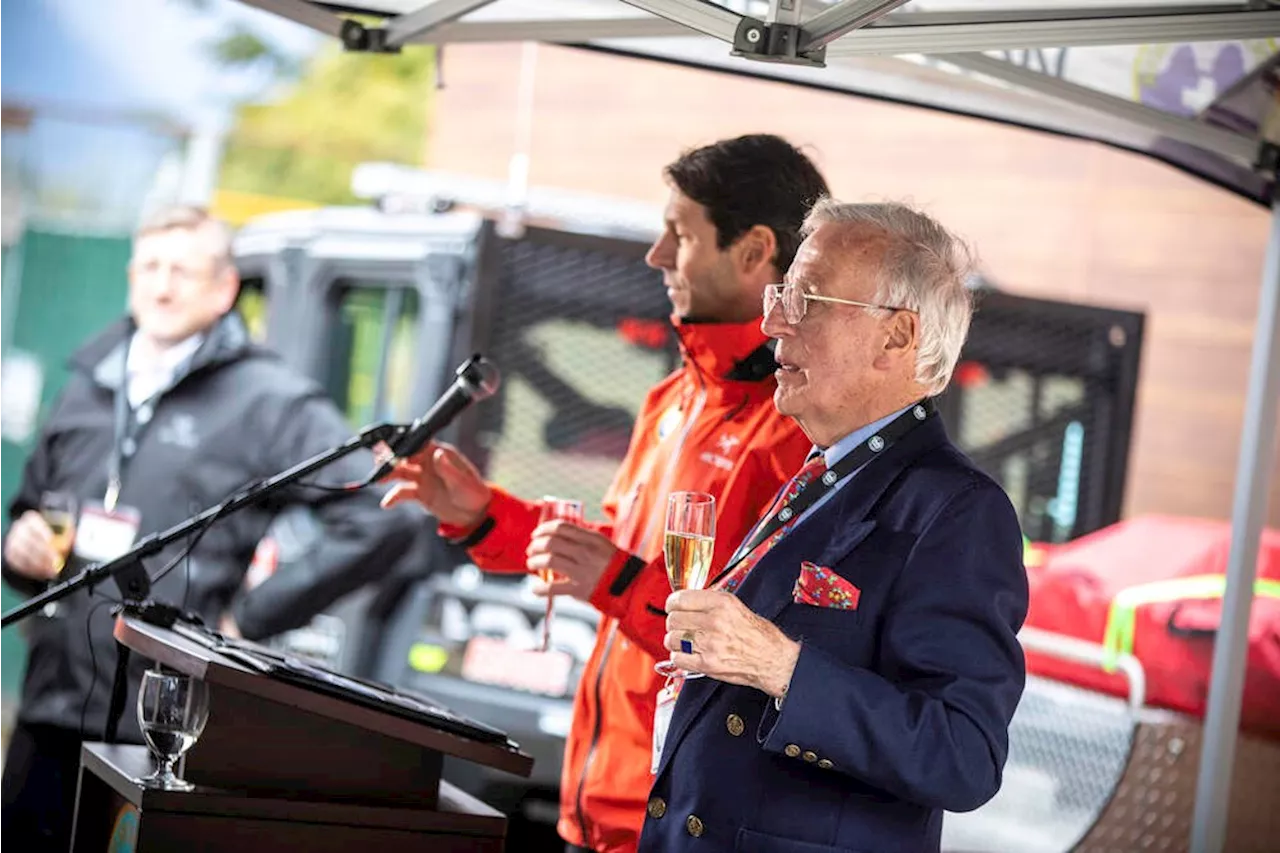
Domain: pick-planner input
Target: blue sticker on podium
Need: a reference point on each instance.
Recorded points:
(124, 835)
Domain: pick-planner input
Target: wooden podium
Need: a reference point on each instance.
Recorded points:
(282, 766)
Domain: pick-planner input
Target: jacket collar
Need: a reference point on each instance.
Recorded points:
(734, 352)
(104, 357)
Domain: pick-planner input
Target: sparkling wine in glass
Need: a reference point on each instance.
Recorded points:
(688, 543)
(172, 711)
(566, 510)
(58, 509)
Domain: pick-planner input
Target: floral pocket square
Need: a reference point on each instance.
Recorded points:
(820, 587)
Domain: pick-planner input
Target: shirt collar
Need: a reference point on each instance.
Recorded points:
(842, 448)
(169, 360)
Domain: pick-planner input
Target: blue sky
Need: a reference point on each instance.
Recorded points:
(80, 63)
(135, 54)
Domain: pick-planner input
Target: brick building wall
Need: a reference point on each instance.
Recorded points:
(1049, 216)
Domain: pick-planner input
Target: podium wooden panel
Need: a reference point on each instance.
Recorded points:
(112, 806)
(280, 763)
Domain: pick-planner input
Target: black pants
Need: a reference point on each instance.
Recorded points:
(40, 773)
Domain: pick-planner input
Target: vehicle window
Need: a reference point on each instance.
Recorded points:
(371, 356)
(252, 305)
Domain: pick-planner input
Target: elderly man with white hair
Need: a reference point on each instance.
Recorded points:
(861, 646)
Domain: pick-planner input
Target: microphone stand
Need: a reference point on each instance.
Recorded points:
(136, 585)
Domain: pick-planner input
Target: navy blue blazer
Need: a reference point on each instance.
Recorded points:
(898, 709)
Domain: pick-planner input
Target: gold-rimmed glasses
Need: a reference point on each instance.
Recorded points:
(795, 302)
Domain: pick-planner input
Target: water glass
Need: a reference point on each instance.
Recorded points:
(172, 710)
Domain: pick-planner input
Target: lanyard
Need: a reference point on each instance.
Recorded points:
(128, 432)
(817, 489)
(115, 463)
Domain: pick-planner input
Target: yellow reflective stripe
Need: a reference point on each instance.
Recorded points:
(1122, 616)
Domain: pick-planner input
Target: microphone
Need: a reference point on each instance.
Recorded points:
(477, 379)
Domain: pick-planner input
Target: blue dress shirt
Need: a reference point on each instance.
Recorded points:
(842, 448)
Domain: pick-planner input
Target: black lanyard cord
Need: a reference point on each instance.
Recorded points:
(810, 493)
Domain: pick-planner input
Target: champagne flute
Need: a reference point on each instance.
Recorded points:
(172, 711)
(552, 509)
(58, 509)
(688, 544)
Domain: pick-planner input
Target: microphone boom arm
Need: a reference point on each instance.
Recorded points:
(156, 542)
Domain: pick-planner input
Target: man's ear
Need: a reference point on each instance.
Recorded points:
(228, 285)
(756, 249)
(902, 333)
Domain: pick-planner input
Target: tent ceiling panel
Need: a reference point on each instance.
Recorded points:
(1192, 84)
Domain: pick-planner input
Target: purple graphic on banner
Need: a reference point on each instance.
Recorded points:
(1181, 82)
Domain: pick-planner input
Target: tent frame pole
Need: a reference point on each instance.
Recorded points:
(1249, 508)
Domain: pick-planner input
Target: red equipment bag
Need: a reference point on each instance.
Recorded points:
(1158, 580)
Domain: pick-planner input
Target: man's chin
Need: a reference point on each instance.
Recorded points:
(165, 336)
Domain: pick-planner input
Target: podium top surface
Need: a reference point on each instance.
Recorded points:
(120, 766)
(411, 718)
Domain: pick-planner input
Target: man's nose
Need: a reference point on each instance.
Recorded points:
(660, 256)
(773, 323)
(163, 280)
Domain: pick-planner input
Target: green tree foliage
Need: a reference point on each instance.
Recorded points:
(343, 109)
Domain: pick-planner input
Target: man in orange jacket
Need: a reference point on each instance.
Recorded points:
(731, 226)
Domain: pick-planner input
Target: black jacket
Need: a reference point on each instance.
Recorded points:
(234, 415)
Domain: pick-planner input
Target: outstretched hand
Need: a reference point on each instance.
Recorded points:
(444, 481)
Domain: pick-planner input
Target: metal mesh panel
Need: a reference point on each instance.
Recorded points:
(1067, 751)
(579, 328)
(1029, 432)
(1042, 400)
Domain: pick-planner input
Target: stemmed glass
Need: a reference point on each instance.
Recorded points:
(688, 543)
(172, 711)
(58, 509)
(552, 509)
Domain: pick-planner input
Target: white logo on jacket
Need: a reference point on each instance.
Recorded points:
(180, 431)
(727, 444)
(717, 460)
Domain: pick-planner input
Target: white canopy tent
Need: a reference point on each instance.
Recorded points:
(1196, 85)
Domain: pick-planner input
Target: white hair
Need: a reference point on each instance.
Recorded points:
(924, 268)
(216, 233)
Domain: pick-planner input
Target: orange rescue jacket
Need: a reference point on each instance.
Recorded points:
(709, 426)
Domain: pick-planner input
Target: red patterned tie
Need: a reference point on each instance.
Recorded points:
(815, 467)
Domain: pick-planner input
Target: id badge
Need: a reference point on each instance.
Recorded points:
(104, 534)
(662, 721)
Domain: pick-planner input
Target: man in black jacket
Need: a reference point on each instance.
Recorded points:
(167, 413)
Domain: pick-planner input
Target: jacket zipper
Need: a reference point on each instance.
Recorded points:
(695, 412)
(595, 735)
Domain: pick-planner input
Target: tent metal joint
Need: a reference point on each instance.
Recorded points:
(775, 42)
(357, 38)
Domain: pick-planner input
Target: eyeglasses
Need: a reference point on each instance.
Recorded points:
(795, 302)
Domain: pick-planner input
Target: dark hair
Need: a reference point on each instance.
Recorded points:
(759, 179)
